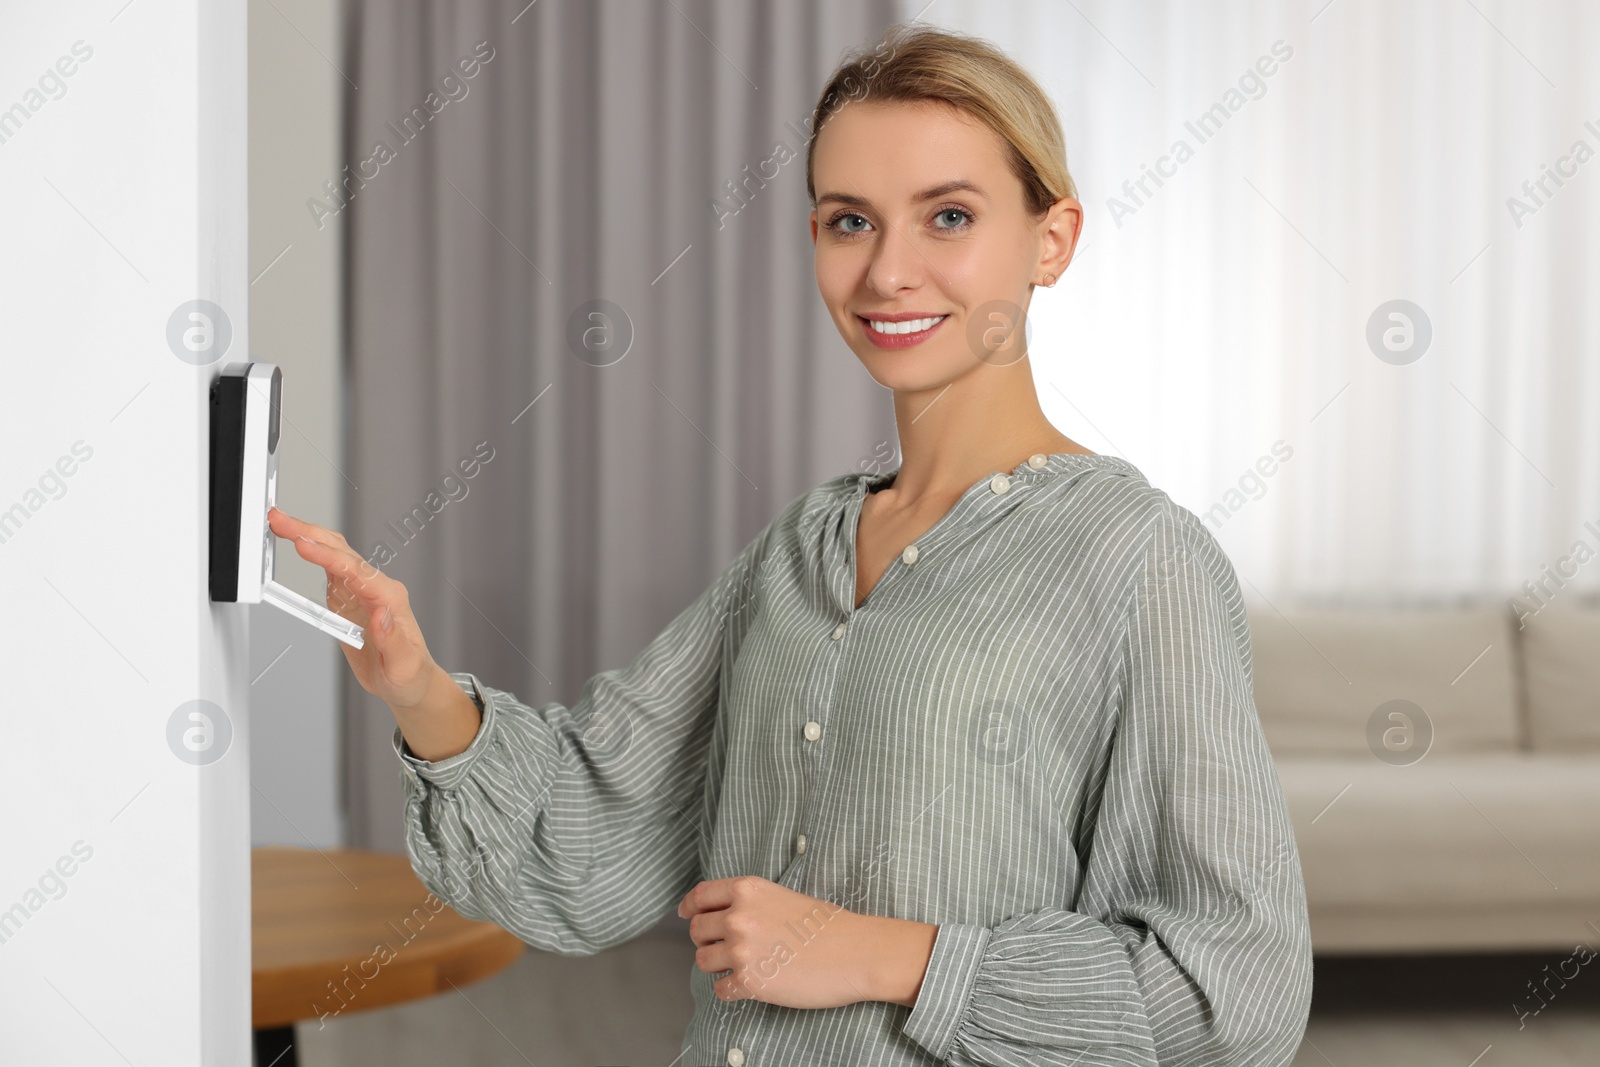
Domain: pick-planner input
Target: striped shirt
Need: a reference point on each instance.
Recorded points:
(1037, 732)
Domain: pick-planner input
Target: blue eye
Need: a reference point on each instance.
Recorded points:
(951, 218)
(845, 222)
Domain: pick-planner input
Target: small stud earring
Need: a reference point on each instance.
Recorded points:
(1049, 280)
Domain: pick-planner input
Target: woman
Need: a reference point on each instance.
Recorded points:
(954, 764)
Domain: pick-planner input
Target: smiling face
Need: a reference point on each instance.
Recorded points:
(925, 248)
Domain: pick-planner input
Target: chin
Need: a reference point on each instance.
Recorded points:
(912, 370)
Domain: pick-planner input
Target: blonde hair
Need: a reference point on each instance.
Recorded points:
(919, 63)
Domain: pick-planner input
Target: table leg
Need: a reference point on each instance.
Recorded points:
(275, 1047)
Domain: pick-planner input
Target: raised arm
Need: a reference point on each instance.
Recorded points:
(573, 828)
(578, 828)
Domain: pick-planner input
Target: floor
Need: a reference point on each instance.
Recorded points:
(629, 1006)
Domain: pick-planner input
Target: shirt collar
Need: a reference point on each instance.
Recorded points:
(1036, 469)
(989, 498)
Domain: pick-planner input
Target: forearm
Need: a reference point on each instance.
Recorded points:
(893, 957)
(443, 723)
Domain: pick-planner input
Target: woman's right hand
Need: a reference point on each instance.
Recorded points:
(393, 664)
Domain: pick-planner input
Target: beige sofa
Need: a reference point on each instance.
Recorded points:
(1490, 841)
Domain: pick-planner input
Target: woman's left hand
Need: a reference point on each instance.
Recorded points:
(783, 947)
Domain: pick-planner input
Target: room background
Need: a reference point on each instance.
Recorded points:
(1221, 327)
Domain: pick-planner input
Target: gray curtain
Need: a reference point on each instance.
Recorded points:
(587, 157)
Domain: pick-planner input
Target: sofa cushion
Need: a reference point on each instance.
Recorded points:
(1467, 830)
(1561, 663)
(1320, 674)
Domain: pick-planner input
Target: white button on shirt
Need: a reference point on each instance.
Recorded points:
(838, 631)
(735, 1056)
(813, 730)
(1037, 460)
(999, 483)
(909, 556)
(800, 843)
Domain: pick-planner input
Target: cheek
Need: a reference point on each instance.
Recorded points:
(838, 273)
(981, 267)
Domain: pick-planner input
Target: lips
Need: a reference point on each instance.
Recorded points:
(902, 329)
(927, 322)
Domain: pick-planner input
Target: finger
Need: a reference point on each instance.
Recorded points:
(371, 587)
(707, 896)
(360, 592)
(714, 959)
(345, 602)
(301, 532)
(732, 988)
(341, 563)
(307, 535)
(709, 927)
(285, 525)
(325, 550)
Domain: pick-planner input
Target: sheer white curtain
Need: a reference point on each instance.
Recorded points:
(1358, 152)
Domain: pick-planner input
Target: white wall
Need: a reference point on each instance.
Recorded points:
(124, 877)
(295, 749)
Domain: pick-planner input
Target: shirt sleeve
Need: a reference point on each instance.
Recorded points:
(578, 828)
(1190, 942)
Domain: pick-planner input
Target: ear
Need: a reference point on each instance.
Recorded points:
(1058, 231)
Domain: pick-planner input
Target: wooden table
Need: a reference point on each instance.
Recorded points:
(341, 931)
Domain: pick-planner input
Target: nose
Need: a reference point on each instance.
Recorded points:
(896, 263)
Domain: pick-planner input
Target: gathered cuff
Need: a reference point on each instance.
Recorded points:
(958, 950)
(451, 770)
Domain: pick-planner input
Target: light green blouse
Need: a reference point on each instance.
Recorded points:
(1037, 732)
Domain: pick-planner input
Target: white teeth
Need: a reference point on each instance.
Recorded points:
(909, 326)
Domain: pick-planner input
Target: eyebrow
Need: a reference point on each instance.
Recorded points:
(934, 193)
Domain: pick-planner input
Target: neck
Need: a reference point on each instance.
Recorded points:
(951, 435)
